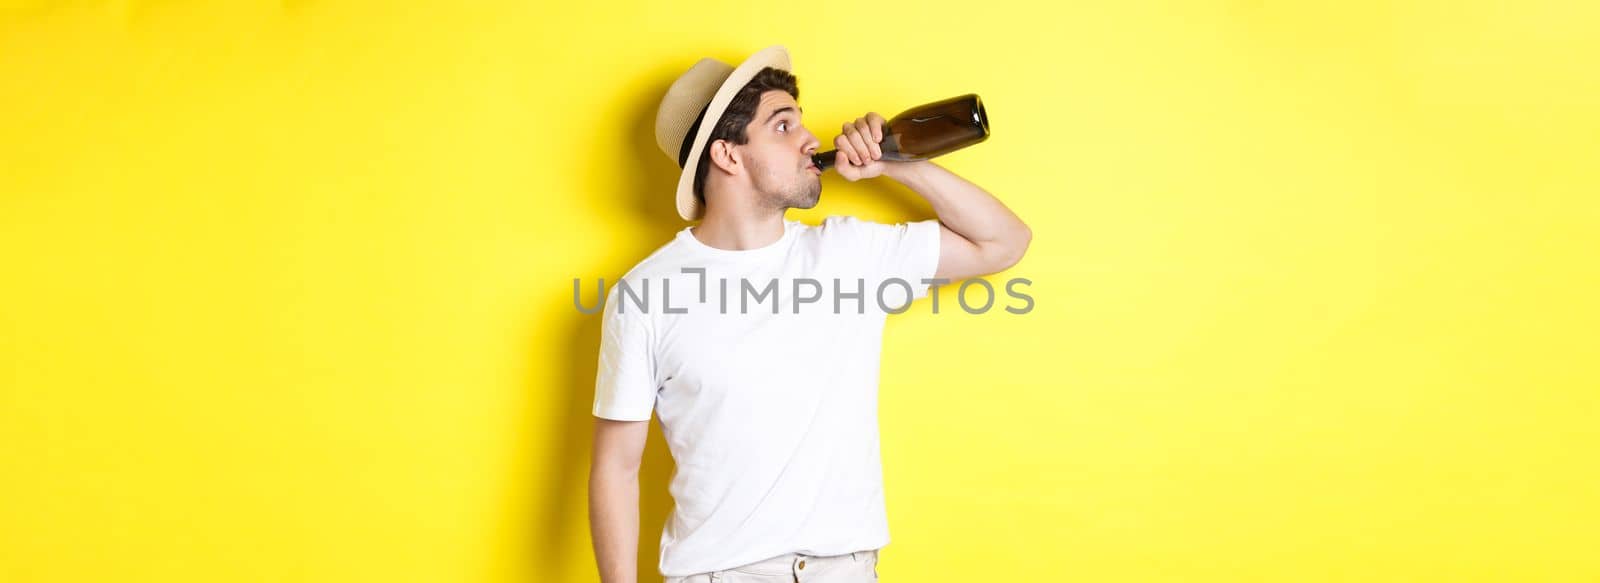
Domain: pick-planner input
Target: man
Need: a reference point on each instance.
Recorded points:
(770, 412)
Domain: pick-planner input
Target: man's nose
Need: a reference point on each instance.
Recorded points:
(812, 143)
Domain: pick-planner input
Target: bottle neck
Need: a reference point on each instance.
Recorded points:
(890, 146)
(825, 160)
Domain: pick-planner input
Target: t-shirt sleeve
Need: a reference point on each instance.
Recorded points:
(906, 251)
(625, 386)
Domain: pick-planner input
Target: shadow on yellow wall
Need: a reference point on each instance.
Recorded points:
(650, 176)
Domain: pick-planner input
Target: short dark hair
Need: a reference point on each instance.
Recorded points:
(738, 115)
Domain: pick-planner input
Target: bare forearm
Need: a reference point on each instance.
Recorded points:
(614, 524)
(962, 206)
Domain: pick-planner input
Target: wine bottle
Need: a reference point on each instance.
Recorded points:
(928, 130)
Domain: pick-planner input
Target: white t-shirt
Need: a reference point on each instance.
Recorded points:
(771, 418)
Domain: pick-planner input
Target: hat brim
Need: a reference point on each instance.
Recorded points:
(777, 57)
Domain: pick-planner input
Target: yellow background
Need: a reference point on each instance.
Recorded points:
(287, 287)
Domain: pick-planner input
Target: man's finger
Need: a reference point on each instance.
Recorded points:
(866, 134)
(842, 144)
(858, 145)
(863, 153)
(876, 121)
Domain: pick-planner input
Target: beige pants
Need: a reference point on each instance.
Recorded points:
(857, 567)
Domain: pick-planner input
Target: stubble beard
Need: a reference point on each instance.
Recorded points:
(803, 193)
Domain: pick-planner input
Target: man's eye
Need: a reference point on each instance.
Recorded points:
(783, 126)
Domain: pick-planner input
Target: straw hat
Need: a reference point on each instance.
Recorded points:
(693, 106)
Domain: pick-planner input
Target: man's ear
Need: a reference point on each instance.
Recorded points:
(725, 157)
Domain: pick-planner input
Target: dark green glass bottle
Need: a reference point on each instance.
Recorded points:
(928, 130)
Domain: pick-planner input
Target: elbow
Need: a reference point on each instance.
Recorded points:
(1014, 250)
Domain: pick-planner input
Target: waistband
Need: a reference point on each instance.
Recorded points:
(793, 562)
